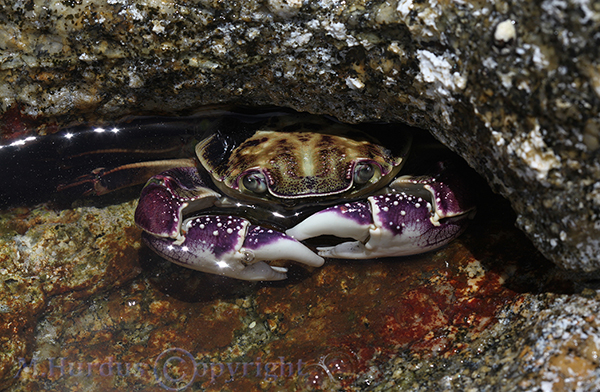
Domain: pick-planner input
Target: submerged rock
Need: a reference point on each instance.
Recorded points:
(82, 305)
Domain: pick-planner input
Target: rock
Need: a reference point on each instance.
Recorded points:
(83, 306)
(514, 89)
(56, 260)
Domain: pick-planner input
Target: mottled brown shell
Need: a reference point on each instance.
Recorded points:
(301, 160)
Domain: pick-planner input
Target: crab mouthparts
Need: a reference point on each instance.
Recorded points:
(308, 187)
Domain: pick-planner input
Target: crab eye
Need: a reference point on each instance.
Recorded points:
(363, 172)
(255, 182)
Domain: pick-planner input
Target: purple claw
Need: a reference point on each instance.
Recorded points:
(223, 245)
(408, 224)
(418, 214)
(350, 220)
(231, 246)
(267, 244)
(432, 212)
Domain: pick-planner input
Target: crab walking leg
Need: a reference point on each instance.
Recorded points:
(231, 246)
(397, 224)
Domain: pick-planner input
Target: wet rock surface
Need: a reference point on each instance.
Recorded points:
(55, 260)
(513, 88)
(487, 312)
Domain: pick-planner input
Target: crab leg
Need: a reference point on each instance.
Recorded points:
(231, 246)
(102, 181)
(393, 224)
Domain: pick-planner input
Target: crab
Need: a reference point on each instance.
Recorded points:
(261, 192)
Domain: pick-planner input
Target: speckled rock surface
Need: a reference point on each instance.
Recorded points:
(88, 309)
(45, 254)
(512, 87)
